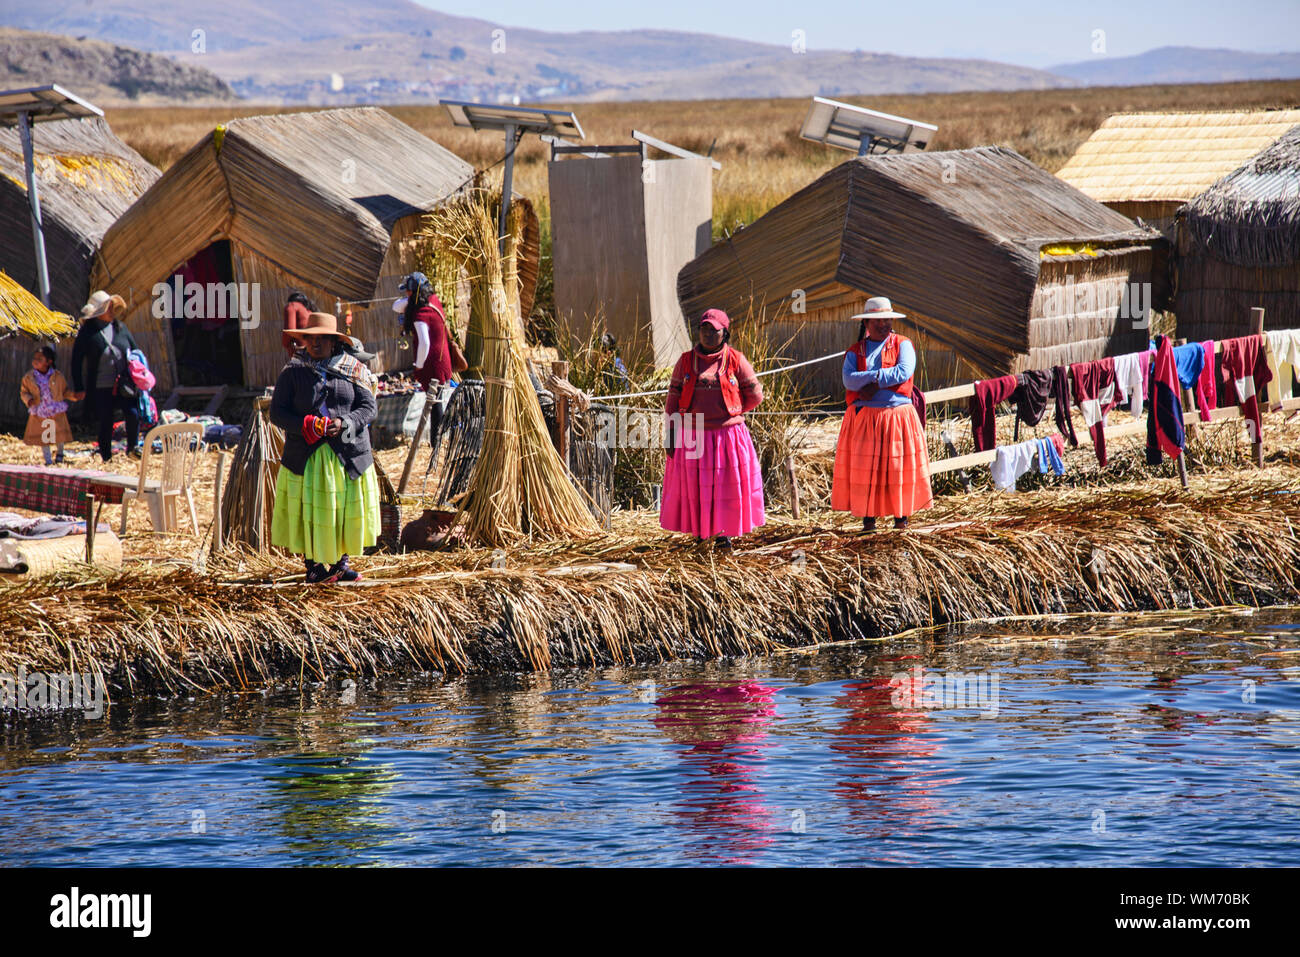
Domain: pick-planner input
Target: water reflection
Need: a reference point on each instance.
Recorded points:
(410, 769)
(883, 753)
(720, 730)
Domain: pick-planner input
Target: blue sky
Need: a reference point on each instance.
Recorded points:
(1017, 31)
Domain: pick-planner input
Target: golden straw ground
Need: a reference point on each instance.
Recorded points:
(650, 596)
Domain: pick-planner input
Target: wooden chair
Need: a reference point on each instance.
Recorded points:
(181, 445)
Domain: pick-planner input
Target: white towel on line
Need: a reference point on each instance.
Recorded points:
(1011, 462)
(1129, 379)
(1283, 360)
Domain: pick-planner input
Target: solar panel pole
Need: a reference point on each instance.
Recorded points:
(507, 184)
(34, 199)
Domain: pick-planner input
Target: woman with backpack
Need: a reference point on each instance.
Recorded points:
(101, 372)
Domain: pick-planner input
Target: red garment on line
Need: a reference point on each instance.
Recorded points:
(983, 409)
(1245, 372)
(1094, 394)
(1207, 393)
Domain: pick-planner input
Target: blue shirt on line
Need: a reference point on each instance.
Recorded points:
(887, 379)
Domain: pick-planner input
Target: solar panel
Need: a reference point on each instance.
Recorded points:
(42, 103)
(23, 108)
(515, 121)
(527, 119)
(863, 131)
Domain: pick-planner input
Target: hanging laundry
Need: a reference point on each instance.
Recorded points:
(1011, 462)
(1207, 386)
(1189, 360)
(1130, 380)
(1165, 420)
(1245, 371)
(1050, 452)
(1283, 360)
(1033, 388)
(1094, 394)
(983, 409)
(1061, 393)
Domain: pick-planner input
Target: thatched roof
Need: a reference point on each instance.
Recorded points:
(87, 178)
(315, 193)
(956, 237)
(1163, 157)
(1251, 217)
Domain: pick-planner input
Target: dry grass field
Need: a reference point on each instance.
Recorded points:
(757, 141)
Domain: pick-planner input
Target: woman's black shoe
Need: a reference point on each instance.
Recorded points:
(869, 523)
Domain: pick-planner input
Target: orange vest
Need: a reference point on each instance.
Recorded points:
(888, 359)
(727, 380)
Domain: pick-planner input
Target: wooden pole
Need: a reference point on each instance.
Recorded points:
(794, 487)
(1257, 327)
(1182, 468)
(218, 534)
(90, 529)
(430, 397)
(561, 371)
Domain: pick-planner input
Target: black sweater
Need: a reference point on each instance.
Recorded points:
(87, 350)
(298, 393)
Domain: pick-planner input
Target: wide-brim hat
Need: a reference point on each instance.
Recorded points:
(99, 302)
(320, 324)
(878, 307)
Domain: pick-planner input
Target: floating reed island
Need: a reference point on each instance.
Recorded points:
(642, 596)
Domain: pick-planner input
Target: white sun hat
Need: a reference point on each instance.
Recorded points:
(878, 308)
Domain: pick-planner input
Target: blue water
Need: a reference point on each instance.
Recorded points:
(1124, 741)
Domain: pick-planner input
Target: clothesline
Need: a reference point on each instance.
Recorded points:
(797, 365)
(966, 391)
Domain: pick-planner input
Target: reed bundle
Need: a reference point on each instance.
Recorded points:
(21, 312)
(520, 486)
(248, 499)
(566, 604)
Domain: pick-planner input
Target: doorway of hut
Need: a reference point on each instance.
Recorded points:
(205, 330)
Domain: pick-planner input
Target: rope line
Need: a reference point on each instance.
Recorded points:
(797, 365)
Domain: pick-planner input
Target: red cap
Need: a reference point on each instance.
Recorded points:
(716, 318)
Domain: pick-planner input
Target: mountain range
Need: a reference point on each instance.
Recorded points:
(394, 51)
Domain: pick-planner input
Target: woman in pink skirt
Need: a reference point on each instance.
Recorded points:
(713, 485)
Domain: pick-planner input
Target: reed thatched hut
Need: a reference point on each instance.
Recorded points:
(999, 265)
(87, 179)
(1238, 246)
(1149, 164)
(325, 202)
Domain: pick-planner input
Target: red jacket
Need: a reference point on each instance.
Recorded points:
(888, 359)
(437, 365)
(727, 381)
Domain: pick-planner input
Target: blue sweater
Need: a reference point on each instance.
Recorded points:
(887, 379)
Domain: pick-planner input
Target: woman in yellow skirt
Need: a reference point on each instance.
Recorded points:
(326, 495)
(881, 463)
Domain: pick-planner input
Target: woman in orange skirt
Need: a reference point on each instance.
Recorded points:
(881, 463)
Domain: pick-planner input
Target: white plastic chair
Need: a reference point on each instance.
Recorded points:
(181, 445)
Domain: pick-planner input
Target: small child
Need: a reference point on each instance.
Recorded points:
(42, 391)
